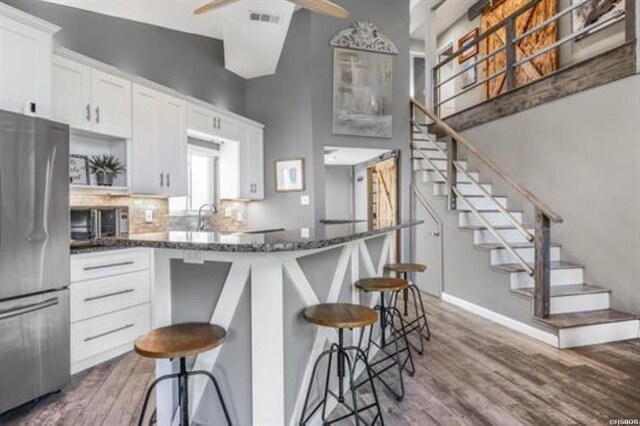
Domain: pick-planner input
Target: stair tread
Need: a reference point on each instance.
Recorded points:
(492, 246)
(499, 227)
(565, 290)
(579, 319)
(516, 267)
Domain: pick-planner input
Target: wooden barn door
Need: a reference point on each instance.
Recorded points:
(383, 194)
(532, 70)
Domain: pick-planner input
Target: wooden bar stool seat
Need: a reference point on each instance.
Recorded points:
(389, 287)
(419, 324)
(341, 316)
(181, 341)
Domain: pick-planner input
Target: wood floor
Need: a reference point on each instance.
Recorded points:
(474, 373)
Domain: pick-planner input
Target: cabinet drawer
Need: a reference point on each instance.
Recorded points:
(105, 264)
(96, 335)
(104, 295)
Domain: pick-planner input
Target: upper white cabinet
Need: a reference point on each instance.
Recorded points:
(159, 143)
(25, 62)
(90, 99)
(252, 163)
(211, 123)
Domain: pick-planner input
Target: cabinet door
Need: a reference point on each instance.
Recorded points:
(111, 102)
(226, 127)
(201, 120)
(25, 69)
(146, 147)
(252, 163)
(71, 93)
(174, 146)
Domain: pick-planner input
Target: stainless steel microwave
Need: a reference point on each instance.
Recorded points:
(89, 223)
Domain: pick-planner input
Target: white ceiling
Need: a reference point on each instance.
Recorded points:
(252, 48)
(336, 156)
(448, 12)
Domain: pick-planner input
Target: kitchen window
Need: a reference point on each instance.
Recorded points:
(202, 176)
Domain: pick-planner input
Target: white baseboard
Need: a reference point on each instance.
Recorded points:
(536, 333)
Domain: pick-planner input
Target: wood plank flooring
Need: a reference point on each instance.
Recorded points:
(474, 372)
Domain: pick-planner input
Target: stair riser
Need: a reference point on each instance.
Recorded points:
(481, 204)
(431, 176)
(597, 334)
(420, 164)
(511, 235)
(426, 144)
(558, 277)
(432, 153)
(494, 218)
(440, 189)
(502, 256)
(580, 303)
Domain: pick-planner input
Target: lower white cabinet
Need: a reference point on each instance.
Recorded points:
(110, 304)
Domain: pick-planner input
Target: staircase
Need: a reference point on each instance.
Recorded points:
(578, 312)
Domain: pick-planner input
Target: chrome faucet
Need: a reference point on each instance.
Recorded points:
(200, 221)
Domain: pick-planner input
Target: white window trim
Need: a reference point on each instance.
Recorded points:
(213, 155)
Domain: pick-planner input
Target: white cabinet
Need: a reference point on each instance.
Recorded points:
(252, 163)
(159, 143)
(25, 62)
(211, 124)
(242, 165)
(91, 99)
(71, 93)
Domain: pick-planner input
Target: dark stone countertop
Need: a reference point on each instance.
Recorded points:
(280, 241)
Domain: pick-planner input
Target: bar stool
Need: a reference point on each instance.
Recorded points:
(388, 313)
(181, 341)
(420, 322)
(341, 316)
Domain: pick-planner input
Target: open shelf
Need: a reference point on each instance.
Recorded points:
(87, 144)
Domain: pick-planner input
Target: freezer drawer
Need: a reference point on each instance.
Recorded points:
(34, 347)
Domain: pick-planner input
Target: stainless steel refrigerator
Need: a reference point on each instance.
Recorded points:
(34, 258)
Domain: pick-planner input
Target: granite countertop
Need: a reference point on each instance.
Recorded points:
(278, 241)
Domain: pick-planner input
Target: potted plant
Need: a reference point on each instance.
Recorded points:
(105, 167)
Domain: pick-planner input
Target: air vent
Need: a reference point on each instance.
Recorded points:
(264, 17)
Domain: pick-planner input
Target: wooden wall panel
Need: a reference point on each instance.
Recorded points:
(530, 71)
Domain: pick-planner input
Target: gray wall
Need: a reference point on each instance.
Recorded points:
(188, 63)
(580, 155)
(296, 104)
(339, 189)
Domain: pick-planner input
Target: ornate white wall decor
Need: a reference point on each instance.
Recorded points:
(364, 36)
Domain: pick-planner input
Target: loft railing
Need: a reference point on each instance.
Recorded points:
(510, 48)
(544, 215)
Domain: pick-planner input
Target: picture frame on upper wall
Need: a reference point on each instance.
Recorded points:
(599, 14)
(468, 40)
(289, 175)
(79, 170)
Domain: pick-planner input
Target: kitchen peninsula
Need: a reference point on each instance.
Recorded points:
(255, 286)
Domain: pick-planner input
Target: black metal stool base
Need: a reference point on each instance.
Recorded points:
(183, 392)
(420, 323)
(387, 317)
(353, 409)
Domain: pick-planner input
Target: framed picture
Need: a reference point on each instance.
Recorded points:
(362, 93)
(595, 11)
(290, 175)
(79, 170)
(466, 40)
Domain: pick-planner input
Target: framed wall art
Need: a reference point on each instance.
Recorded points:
(290, 175)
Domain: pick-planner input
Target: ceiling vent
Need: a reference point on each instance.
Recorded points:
(264, 17)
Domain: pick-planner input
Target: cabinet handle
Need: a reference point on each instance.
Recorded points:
(14, 312)
(110, 265)
(168, 180)
(104, 296)
(106, 333)
(98, 115)
(161, 180)
(214, 122)
(89, 112)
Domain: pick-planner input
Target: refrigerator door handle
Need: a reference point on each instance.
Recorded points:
(14, 312)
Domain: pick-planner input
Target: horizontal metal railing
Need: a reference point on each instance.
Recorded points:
(512, 41)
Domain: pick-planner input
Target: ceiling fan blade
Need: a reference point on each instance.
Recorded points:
(215, 4)
(324, 7)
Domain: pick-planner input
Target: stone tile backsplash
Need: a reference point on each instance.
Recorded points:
(231, 216)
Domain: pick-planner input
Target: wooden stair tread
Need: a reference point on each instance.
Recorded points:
(492, 246)
(565, 290)
(580, 319)
(516, 267)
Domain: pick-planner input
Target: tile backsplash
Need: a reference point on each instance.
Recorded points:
(231, 216)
